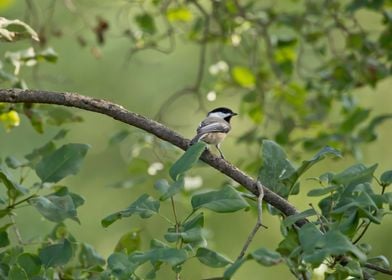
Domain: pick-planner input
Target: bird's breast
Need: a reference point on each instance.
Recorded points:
(214, 137)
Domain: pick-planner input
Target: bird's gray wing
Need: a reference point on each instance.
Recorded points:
(207, 127)
(211, 124)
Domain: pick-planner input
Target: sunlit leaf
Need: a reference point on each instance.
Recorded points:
(179, 14)
(243, 76)
(129, 242)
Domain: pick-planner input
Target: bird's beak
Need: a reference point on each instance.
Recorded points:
(234, 114)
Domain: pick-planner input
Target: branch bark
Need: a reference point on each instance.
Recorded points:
(119, 113)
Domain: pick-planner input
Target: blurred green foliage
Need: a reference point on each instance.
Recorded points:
(295, 69)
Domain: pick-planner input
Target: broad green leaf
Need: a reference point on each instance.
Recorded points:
(173, 189)
(243, 76)
(171, 256)
(368, 133)
(179, 14)
(224, 200)
(318, 246)
(118, 137)
(275, 168)
(145, 206)
(4, 240)
(16, 272)
(266, 257)
(121, 266)
(129, 242)
(290, 220)
(37, 154)
(354, 119)
(55, 208)
(355, 174)
(89, 257)
(13, 162)
(386, 178)
(187, 160)
(322, 191)
(56, 254)
(211, 258)
(62, 162)
(146, 23)
(306, 164)
(14, 189)
(30, 263)
(191, 232)
(229, 272)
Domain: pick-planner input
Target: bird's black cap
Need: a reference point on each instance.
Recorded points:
(223, 110)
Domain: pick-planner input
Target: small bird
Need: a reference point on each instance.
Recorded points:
(214, 128)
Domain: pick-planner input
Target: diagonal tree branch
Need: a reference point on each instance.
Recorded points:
(119, 113)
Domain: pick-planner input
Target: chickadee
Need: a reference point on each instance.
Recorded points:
(214, 128)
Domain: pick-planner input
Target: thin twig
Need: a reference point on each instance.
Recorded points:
(258, 222)
(378, 268)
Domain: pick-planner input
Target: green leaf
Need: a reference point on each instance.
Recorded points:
(89, 257)
(355, 174)
(266, 257)
(14, 189)
(37, 154)
(16, 272)
(190, 232)
(318, 246)
(13, 162)
(306, 164)
(55, 208)
(179, 14)
(368, 133)
(290, 220)
(129, 242)
(4, 240)
(56, 254)
(243, 76)
(145, 206)
(386, 178)
(211, 258)
(146, 23)
(229, 272)
(322, 191)
(168, 255)
(30, 263)
(62, 162)
(275, 168)
(119, 137)
(187, 160)
(224, 200)
(121, 266)
(173, 189)
(354, 119)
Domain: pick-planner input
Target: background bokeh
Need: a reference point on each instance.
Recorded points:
(141, 84)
